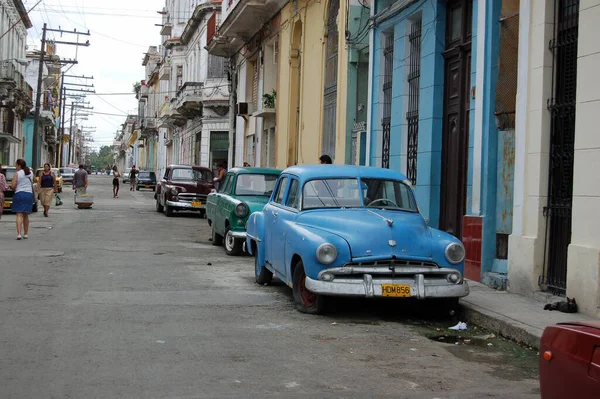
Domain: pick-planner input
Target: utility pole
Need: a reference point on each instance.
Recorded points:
(36, 120)
(38, 97)
(62, 121)
(70, 151)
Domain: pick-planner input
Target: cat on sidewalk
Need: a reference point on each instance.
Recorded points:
(568, 306)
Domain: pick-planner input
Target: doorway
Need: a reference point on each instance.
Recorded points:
(455, 135)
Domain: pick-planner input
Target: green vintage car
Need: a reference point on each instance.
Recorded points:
(243, 191)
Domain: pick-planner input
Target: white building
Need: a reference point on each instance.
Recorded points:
(194, 113)
(15, 92)
(555, 244)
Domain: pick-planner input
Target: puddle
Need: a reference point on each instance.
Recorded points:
(460, 340)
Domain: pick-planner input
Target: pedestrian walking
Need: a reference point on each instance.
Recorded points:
(47, 188)
(80, 181)
(3, 188)
(116, 176)
(132, 174)
(22, 185)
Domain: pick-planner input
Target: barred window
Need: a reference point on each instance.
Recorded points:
(216, 67)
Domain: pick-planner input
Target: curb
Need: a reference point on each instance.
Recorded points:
(500, 324)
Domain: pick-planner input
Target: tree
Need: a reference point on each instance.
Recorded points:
(102, 158)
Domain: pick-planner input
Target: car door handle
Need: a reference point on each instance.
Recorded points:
(274, 213)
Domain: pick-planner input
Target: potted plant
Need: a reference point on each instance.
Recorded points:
(269, 99)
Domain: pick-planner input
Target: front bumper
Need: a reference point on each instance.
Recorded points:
(423, 283)
(238, 235)
(185, 205)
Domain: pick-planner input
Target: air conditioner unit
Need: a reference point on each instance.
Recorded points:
(243, 109)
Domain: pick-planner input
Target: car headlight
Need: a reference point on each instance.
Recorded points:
(455, 253)
(241, 210)
(326, 253)
(174, 191)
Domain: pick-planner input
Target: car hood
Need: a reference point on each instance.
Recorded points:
(192, 186)
(369, 233)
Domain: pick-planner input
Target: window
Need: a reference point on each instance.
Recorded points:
(388, 66)
(251, 184)
(182, 174)
(412, 113)
(281, 190)
(216, 67)
(330, 90)
(226, 186)
(202, 174)
(293, 199)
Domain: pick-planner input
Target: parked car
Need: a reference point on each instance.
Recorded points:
(569, 360)
(184, 188)
(145, 180)
(125, 175)
(352, 231)
(67, 174)
(59, 179)
(9, 172)
(244, 190)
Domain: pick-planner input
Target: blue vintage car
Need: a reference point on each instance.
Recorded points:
(352, 231)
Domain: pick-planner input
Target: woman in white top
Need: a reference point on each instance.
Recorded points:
(22, 204)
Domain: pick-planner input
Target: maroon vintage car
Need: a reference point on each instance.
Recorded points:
(184, 188)
(570, 360)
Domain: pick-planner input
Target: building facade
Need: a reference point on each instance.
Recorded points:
(15, 93)
(554, 244)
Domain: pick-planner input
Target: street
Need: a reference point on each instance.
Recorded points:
(120, 301)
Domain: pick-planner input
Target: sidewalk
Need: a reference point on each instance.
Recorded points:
(513, 316)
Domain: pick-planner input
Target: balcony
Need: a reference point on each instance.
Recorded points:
(50, 137)
(164, 73)
(166, 29)
(149, 127)
(188, 101)
(240, 24)
(169, 116)
(143, 91)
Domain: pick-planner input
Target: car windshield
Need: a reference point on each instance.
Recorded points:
(146, 175)
(202, 174)
(182, 174)
(353, 193)
(66, 171)
(255, 184)
(9, 173)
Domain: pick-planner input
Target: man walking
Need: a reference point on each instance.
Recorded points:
(80, 181)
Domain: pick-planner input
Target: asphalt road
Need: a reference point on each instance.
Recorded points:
(122, 302)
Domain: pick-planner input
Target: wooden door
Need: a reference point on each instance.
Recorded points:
(455, 139)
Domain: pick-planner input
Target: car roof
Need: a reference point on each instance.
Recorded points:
(332, 171)
(179, 166)
(262, 171)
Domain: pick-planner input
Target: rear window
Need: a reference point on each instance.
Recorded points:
(147, 175)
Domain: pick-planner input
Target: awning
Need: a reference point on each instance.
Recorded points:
(10, 138)
(133, 138)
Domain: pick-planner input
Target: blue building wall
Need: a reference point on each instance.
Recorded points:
(28, 138)
(432, 14)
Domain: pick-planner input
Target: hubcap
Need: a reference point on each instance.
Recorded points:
(229, 241)
(308, 298)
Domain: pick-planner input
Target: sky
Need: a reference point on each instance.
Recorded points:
(120, 33)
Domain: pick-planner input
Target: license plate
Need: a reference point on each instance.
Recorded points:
(147, 186)
(395, 290)
(6, 204)
(196, 204)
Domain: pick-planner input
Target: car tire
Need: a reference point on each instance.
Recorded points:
(217, 239)
(159, 207)
(137, 188)
(306, 301)
(232, 246)
(262, 275)
(168, 211)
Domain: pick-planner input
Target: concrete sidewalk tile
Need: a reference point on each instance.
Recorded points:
(513, 316)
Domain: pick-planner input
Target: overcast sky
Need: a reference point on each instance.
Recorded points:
(121, 32)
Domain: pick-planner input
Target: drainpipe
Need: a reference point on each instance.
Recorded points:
(232, 112)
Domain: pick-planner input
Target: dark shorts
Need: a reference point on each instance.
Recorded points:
(116, 182)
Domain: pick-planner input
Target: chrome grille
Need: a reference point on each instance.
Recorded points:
(189, 197)
(391, 262)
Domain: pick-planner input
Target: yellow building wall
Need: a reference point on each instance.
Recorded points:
(312, 16)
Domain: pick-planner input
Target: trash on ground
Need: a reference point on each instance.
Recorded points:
(459, 326)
